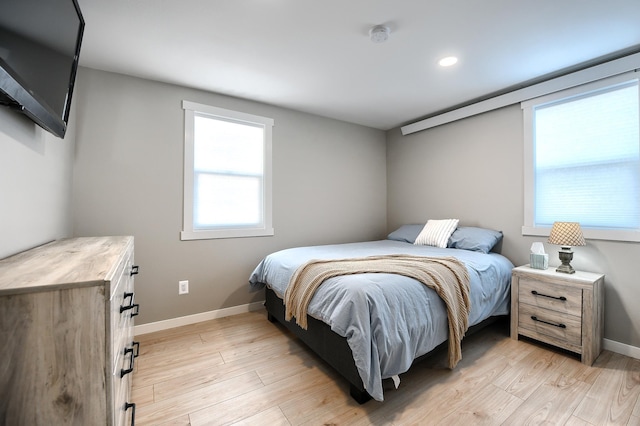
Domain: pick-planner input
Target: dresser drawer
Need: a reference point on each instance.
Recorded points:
(545, 322)
(122, 384)
(556, 297)
(119, 323)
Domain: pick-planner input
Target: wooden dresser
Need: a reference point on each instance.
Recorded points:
(564, 310)
(66, 333)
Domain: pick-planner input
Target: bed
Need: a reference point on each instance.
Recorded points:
(372, 326)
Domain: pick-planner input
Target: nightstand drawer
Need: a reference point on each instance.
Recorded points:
(545, 322)
(551, 296)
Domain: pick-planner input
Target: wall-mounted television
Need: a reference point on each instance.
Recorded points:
(39, 50)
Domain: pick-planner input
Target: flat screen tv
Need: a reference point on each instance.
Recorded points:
(39, 50)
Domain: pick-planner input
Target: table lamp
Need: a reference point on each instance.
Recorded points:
(566, 235)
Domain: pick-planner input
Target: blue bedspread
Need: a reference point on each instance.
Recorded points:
(387, 319)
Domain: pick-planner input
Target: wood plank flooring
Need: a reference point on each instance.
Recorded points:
(244, 370)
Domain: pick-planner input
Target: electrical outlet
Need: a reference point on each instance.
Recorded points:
(183, 287)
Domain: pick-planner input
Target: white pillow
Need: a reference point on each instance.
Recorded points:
(437, 232)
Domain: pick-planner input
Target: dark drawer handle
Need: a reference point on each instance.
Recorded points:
(560, 325)
(535, 293)
(131, 305)
(132, 356)
(134, 270)
(128, 405)
(136, 345)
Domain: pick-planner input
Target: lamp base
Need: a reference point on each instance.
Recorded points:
(566, 255)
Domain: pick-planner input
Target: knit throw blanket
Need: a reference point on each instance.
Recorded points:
(446, 275)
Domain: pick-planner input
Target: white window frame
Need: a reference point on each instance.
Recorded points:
(188, 230)
(529, 227)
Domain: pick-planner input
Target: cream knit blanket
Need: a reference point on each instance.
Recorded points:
(446, 275)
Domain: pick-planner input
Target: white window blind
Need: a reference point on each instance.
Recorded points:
(585, 160)
(227, 173)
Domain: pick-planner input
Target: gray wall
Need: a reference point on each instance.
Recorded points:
(329, 186)
(35, 183)
(472, 170)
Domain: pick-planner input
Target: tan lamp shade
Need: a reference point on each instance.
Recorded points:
(566, 234)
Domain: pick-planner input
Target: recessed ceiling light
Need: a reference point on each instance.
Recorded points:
(448, 61)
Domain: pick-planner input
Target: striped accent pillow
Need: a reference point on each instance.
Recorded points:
(437, 232)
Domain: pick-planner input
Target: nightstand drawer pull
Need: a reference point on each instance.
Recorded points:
(560, 325)
(535, 293)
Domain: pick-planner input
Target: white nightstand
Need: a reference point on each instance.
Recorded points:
(564, 310)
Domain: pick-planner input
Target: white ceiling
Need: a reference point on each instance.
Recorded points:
(316, 56)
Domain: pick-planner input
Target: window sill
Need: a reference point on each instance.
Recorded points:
(590, 234)
(225, 233)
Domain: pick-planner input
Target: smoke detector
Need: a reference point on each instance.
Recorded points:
(379, 33)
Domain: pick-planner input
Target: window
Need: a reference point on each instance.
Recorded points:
(582, 160)
(227, 173)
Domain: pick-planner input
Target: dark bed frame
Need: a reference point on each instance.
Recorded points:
(332, 347)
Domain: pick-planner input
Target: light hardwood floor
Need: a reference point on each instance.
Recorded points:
(244, 370)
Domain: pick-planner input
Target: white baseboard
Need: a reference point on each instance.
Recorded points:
(621, 348)
(192, 319)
